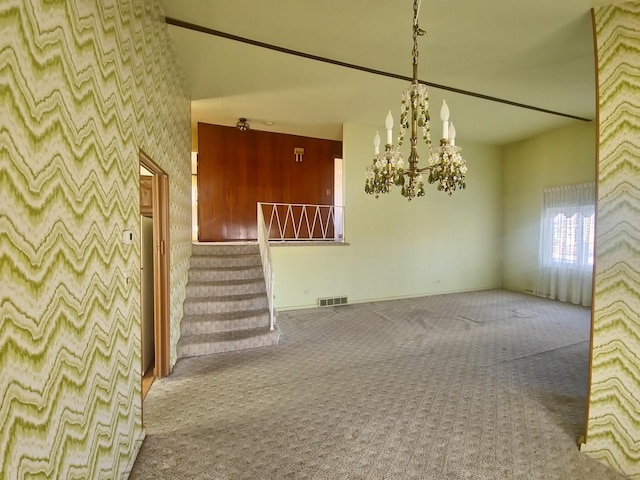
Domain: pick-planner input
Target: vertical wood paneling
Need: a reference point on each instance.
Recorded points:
(236, 170)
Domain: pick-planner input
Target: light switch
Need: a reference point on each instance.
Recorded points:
(127, 237)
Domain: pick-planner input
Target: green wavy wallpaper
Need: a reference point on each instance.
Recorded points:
(84, 85)
(613, 430)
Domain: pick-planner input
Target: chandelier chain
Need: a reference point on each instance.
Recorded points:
(417, 32)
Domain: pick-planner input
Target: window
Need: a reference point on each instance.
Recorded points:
(565, 263)
(571, 237)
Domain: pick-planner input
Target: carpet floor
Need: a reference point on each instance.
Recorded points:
(481, 385)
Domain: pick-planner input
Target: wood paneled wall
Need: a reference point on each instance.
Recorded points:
(236, 170)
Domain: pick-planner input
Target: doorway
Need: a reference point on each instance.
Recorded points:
(154, 271)
(338, 199)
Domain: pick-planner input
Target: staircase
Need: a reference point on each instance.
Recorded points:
(226, 306)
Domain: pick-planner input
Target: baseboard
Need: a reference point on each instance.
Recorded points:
(384, 299)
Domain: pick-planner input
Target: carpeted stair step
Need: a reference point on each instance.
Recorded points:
(226, 303)
(225, 287)
(231, 249)
(235, 260)
(204, 274)
(224, 322)
(220, 342)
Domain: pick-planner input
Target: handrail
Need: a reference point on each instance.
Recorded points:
(303, 222)
(267, 268)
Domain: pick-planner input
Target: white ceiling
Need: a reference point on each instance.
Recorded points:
(537, 52)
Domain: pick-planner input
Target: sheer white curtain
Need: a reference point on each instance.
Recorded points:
(565, 262)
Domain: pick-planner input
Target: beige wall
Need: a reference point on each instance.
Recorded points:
(561, 157)
(434, 244)
(486, 236)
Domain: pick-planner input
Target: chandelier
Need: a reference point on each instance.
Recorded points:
(446, 167)
(242, 125)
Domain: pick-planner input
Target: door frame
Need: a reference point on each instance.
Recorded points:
(161, 265)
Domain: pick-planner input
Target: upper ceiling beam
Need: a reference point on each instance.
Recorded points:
(288, 51)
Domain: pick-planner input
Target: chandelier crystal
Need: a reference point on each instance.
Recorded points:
(446, 167)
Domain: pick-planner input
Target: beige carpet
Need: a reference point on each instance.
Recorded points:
(484, 385)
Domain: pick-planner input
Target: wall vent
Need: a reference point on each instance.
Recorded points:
(332, 301)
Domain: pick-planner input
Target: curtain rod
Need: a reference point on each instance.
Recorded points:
(373, 71)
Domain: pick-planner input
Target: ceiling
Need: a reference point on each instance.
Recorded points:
(538, 53)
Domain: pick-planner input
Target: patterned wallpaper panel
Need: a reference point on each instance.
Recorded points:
(613, 430)
(84, 85)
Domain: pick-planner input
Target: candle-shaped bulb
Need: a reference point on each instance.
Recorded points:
(389, 124)
(452, 134)
(444, 111)
(444, 116)
(376, 143)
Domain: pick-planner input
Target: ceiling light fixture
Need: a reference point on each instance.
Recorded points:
(242, 125)
(446, 166)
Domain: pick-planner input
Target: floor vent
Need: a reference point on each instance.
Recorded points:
(332, 302)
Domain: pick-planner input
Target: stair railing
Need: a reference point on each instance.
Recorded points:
(267, 268)
(302, 222)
